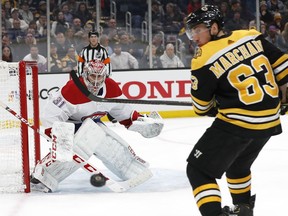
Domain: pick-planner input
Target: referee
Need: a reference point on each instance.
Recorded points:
(93, 51)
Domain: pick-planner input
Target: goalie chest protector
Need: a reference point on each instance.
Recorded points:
(72, 94)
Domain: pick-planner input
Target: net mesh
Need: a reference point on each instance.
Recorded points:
(11, 165)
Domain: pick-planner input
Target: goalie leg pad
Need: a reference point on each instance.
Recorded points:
(118, 156)
(62, 138)
(50, 172)
(96, 139)
(87, 138)
(115, 153)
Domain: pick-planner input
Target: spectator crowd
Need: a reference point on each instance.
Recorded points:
(25, 25)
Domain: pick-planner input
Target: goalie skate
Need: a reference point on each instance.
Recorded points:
(36, 185)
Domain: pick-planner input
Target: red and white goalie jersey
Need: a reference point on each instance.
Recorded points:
(70, 104)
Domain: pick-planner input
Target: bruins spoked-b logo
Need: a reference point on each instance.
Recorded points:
(194, 83)
(198, 52)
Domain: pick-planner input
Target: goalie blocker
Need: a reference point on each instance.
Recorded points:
(115, 153)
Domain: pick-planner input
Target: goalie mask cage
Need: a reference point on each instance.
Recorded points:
(19, 145)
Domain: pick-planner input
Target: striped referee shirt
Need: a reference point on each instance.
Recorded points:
(89, 53)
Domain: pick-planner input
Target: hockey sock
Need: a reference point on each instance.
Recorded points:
(206, 192)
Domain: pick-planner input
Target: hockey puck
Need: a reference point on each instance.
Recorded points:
(98, 180)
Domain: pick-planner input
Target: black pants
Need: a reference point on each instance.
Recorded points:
(215, 153)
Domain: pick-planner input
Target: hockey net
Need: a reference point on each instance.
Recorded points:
(19, 145)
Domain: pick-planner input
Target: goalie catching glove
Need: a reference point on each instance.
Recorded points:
(147, 125)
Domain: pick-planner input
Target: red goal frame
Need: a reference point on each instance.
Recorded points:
(23, 65)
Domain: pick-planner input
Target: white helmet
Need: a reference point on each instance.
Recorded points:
(94, 75)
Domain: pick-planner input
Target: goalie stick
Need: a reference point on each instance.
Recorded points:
(116, 186)
(92, 97)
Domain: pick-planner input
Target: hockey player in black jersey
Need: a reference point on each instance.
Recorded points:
(242, 73)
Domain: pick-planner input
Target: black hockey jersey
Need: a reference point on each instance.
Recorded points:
(89, 53)
(241, 72)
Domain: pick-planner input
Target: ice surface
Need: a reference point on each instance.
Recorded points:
(168, 193)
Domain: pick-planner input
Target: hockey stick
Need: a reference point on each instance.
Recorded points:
(92, 97)
(116, 186)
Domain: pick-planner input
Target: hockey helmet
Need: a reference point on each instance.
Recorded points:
(95, 73)
(208, 14)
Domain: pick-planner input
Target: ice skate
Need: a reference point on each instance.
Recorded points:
(240, 209)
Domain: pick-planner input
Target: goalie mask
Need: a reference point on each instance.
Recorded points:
(94, 75)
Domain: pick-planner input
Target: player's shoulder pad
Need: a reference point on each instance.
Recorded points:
(112, 88)
(72, 94)
(214, 49)
(245, 33)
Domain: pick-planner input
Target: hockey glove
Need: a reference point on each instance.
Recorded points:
(148, 126)
(283, 109)
(283, 95)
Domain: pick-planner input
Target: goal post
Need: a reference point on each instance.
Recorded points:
(19, 145)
